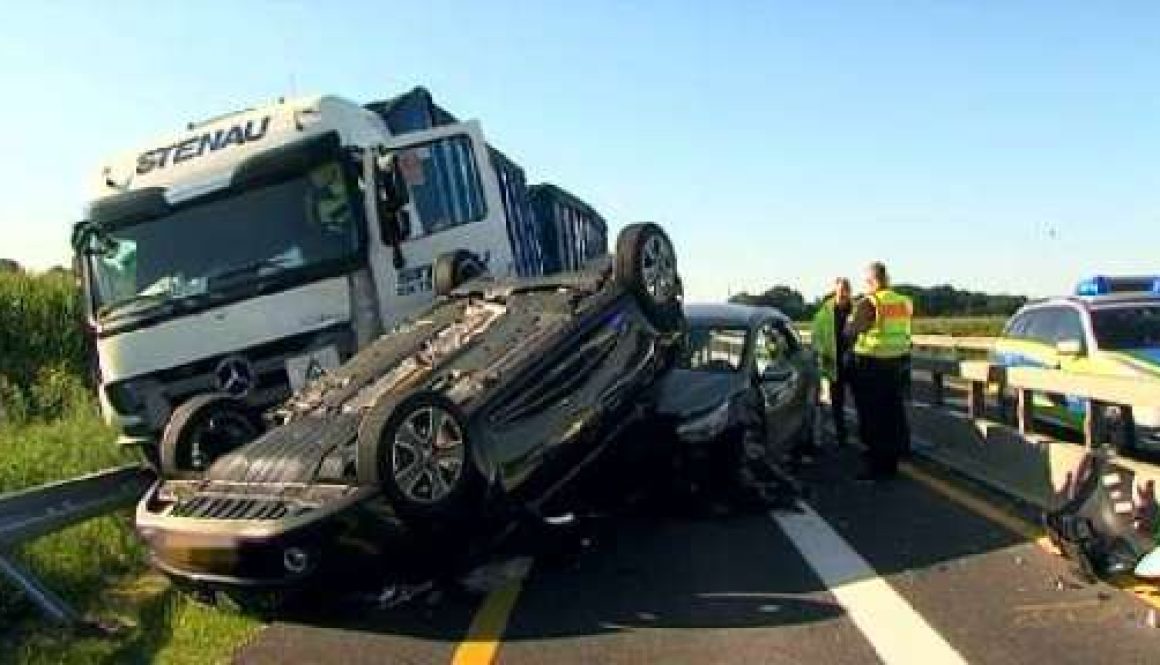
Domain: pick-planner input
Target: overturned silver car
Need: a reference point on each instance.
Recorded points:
(478, 411)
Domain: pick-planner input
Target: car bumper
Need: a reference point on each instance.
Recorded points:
(254, 553)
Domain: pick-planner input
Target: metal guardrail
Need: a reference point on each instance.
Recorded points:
(1099, 393)
(993, 435)
(942, 356)
(29, 514)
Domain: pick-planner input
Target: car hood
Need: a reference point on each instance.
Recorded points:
(686, 393)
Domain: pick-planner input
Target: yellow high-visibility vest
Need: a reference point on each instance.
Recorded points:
(889, 337)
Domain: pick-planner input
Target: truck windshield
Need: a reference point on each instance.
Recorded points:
(1128, 327)
(221, 244)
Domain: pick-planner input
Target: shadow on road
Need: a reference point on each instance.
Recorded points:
(650, 568)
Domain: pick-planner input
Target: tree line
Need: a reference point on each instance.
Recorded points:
(934, 301)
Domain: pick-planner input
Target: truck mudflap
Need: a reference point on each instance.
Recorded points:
(1102, 520)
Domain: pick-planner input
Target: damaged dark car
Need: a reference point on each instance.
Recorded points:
(739, 404)
(463, 419)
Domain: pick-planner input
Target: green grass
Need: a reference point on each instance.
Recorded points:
(42, 346)
(960, 326)
(964, 326)
(50, 430)
(99, 566)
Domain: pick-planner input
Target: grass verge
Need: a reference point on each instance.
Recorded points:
(99, 566)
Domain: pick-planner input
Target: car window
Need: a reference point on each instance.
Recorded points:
(771, 349)
(1127, 328)
(790, 335)
(1041, 325)
(1017, 327)
(713, 349)
(1068, 326)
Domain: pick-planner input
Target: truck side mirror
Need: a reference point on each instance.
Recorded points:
(391, 197)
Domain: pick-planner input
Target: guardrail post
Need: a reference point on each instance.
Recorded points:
(1127, 430)
(1025, 411)
(28, 514)
(52, 605)
(1004, 403)
(1093, 423)
(977, 399)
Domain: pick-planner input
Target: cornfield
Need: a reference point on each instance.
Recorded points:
(43, 357)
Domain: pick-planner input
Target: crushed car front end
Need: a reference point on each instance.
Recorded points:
(222, 534)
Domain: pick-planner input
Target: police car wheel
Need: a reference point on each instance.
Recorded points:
(646, 265)
(453, 269)
(203, 429)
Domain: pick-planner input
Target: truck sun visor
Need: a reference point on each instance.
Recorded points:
(129, 207)
(287, 160)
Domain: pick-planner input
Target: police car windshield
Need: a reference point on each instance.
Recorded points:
(1127, 327)
(220, 244)
(714, 349)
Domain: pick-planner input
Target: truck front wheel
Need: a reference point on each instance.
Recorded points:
(203, 429)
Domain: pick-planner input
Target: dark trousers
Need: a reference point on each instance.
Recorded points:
(838, 387)
(882, 424)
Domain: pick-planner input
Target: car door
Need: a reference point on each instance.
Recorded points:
(1068, 327)
(781, 382)
(1037, 347)
(1045, 328)
(806, 366)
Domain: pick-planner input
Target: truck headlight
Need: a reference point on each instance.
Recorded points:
(706, 427)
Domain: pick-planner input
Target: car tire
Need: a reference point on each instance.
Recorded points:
(646, 266)
(419, 453)
(453, 269)
(203, 429)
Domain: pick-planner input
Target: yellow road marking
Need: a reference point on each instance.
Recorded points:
(481, 644)
(1146, 592)
(973, 503)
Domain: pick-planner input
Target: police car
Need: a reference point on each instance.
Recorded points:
(1111, 326)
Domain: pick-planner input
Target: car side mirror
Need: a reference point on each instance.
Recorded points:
(1069, 348)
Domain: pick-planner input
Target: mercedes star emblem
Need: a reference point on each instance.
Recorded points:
(234, 376)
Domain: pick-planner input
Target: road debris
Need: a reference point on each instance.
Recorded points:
(493, 575)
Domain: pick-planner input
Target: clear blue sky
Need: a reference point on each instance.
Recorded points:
(995, 145)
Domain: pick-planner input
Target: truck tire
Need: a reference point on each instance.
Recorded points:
(646, 266)
(453, 269)
(419, 453)
(203, 429)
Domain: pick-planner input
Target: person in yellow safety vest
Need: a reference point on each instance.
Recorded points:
(833, 349)
(880, 330)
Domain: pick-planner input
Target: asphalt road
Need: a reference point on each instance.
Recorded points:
(894, 573)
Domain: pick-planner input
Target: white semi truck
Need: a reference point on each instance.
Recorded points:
(254, 251)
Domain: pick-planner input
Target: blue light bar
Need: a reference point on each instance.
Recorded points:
(1094, 286)
(1102, 285)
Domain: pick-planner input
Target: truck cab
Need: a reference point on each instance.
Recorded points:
(254, 252)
